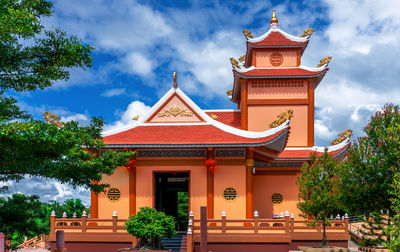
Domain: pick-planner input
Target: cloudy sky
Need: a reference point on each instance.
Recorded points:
(139, 45)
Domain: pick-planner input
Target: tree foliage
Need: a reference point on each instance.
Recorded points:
(22, 215)
(318, 190)
(149, 226)
(17, 215)
(367, 173)
(34, 58)
(393, 243)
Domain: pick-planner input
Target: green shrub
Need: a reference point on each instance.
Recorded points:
(149, 226)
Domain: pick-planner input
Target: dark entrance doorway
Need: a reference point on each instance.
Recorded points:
(172, 196)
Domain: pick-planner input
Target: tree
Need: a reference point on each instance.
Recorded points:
(149, 226)
(393, 243)
(34, 58)
(17, 217)
(367, 174)
(318, 191)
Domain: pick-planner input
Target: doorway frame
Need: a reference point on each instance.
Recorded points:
(171, 171)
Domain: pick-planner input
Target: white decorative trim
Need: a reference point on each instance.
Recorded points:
(276, 29)
(201, 113)
(245, 70)
(313, 69)
(221, 110)
(322, 148)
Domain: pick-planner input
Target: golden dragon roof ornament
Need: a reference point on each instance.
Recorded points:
(234, 63)
(247, 34)
(282, 117)
(242, 58)
(53, 119)
(307, 33)
(135, 118)
(342, 136)
(229, 92)
(325, 61)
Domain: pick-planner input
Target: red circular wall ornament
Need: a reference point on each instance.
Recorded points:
(276, 59)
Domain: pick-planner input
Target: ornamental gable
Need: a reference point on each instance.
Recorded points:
(175, 110)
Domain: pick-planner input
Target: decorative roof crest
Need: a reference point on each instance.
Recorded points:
(247, 34)
(325, 61)
(234, 63)
(175, 81)
(342, 136)
(53, 119)
(307, 33)
(282, 117)
(274, 20)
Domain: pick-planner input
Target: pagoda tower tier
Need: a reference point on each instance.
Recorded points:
(272, 81)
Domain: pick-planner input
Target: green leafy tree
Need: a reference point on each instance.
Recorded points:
(34, 58)
(18, 217)
(393, 243)
(367, 174)
(149, 226)
(318, 191)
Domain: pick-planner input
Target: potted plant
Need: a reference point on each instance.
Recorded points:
(148, 226)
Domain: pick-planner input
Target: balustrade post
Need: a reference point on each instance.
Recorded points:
(84, 218)
(256, 221)
(223, 222)
(203, 229)
(52, 222)
(292, 222)
(346, 223)
(287, 221)
(189, 239)
(114, 221)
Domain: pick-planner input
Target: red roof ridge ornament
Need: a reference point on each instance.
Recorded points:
(175, 81)
(274, 20)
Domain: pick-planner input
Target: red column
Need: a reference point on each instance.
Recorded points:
(249, 183)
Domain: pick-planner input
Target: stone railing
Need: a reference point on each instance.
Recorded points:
(282, 229)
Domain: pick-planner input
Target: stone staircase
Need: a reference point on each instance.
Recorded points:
(177, 243)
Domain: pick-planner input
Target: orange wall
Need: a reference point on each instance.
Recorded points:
(260, 116)
(230, 176)
(289, 58)
(266, 185)
(145, 187)
(120, 180)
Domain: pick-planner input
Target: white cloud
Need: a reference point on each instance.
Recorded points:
(81, 118)
(114, 92)
(134, 108)
(137, 63)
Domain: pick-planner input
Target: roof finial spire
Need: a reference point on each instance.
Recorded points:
(175, 82)
(274, 20)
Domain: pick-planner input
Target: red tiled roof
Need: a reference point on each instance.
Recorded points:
(180, 135)
(294, 71)
(277, 39)
(231, 118)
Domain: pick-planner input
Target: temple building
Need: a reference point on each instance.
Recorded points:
(238, 160)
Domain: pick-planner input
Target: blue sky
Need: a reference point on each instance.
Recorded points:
(139, 44)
